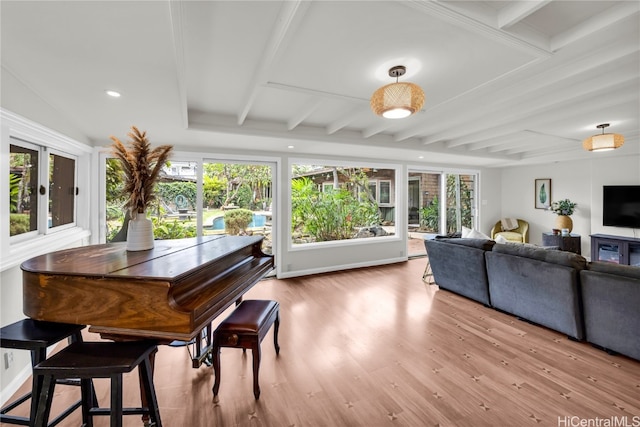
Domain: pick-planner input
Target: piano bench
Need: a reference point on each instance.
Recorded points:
(36, 336)
(245, 328)
(103, 359)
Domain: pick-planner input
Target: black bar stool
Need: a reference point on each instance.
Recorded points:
(105, 359)
(36, 336)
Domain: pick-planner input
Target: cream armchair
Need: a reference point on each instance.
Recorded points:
(520, 234)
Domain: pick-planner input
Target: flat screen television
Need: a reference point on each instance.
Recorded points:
(621, 206)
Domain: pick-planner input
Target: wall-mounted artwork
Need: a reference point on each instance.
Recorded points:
(543, 193)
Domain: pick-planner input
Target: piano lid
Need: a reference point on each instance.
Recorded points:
(172, 259)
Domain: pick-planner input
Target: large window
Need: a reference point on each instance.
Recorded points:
(360, 204)
(42, 189)
(172, 210)
(235, 198)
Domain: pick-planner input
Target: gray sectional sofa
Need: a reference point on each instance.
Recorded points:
(468, 278)
(611, 300)
(598, 302)
(539, 285)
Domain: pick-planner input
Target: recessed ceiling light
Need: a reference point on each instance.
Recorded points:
(112, 93)
(421, 157)
(290, 146)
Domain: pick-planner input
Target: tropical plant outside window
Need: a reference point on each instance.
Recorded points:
(227, 187)
(460, 202)
(23, 184)
(238, 199)
(359, 204)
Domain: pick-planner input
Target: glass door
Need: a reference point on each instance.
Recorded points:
(423, 205)
(609, 252)
(460, 202)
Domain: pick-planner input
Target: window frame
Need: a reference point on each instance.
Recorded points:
(390, 194)
(394, 202)
(56, 152)
(38, 149)
(42, 210)
(17, 130)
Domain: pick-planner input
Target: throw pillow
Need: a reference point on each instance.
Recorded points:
(509, 224)
(475, 234)
(500, 239)
(465, 231)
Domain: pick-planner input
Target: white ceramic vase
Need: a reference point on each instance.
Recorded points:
(140, 233)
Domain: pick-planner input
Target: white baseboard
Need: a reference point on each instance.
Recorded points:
(15, 384)
(297, 273)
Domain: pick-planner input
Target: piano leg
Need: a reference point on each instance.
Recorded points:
(146, 419)
(202, 354)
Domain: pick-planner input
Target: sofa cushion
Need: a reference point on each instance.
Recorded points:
(510, 236)
(611, 297)
(454, 235)
(568, 259)
(617, 269)
(484, 244)
(542, 292)
(458, 265)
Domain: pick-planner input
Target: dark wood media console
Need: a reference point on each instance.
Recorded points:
(617, 249)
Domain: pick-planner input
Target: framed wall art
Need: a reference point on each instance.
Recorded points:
(543, 193)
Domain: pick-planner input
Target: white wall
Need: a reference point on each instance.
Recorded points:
(490, 203)
(612, 171)
(580, 181)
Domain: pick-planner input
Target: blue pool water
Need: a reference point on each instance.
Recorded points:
(258, 221)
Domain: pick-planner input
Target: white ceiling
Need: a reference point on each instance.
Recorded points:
(506, 82)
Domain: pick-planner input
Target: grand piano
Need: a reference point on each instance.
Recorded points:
(170, 292)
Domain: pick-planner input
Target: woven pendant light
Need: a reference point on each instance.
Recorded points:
(603, 141)
(397, 100)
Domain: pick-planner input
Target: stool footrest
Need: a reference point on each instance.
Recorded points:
(125, 411)
(15, 404)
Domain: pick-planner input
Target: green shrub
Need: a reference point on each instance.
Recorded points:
(331, 215)
(237, 220)
(18, 224)
(167, 230)
(14, 189)
(115, 213)
(430, 216)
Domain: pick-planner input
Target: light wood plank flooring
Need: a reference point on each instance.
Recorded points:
(378, 347)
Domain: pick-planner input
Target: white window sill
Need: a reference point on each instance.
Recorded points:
(22, 251)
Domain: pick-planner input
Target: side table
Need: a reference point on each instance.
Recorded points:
(570, 243)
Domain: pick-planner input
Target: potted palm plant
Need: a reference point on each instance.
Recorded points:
(141, 167)
(564, 209)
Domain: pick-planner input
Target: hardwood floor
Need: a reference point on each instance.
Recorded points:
(378, 347)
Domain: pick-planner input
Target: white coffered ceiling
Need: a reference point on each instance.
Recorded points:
(506, 82)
